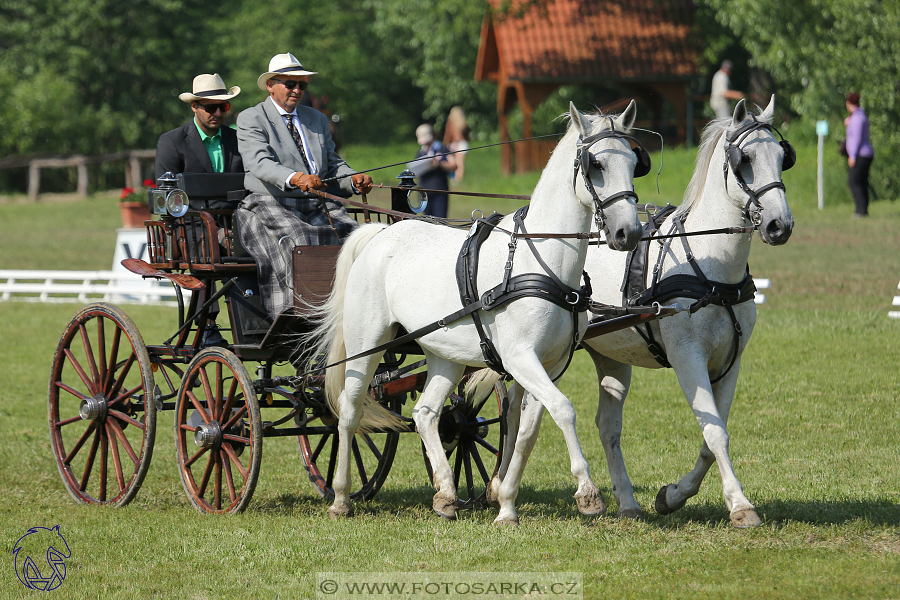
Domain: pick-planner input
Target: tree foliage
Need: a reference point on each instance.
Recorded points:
(819, 51)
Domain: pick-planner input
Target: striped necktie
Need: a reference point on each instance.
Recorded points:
(299, 141)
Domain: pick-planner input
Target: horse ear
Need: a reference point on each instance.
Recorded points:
(582, 124)
(740, 113)
(628, 116)
(769, 113)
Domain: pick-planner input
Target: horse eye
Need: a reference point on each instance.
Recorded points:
(595, 163)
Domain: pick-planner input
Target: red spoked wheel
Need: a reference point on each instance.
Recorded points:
(473, 442)
(102, 414)
(218, 433)
(372, 453)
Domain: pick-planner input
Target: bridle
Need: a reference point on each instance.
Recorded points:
(583, 161)
(734, 155)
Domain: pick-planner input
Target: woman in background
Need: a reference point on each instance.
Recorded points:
(859, 154)
(456, 138)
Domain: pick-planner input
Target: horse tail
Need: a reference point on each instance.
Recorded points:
(329, 334)
(480, 384)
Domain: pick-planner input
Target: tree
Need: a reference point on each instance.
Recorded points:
(96, 76)
(819, 51)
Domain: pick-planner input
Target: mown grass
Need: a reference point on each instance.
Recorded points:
(813, 439)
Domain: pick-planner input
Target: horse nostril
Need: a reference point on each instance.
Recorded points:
(778, 231)
(627, 238)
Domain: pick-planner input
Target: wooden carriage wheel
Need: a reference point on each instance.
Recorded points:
(218, 433)
(373, 455)
(473, 442)
(102, 414)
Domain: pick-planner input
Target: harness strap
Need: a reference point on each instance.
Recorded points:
(466, 281)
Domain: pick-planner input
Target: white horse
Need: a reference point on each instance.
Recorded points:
(703, 348)
(404, 275)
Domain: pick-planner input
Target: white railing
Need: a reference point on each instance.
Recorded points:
(895, 314)
(84, 287)
(761, 284)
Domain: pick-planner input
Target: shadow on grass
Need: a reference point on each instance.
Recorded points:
(778, 514)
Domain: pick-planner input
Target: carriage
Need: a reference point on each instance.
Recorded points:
(107, 385)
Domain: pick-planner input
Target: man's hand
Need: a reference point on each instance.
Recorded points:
(363, 182)
(307, 183)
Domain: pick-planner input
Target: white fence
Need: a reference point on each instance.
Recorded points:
(895, 314)
(761, 284)
(84, 287)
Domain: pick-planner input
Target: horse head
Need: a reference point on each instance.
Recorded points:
(754, 161)
(605, 167)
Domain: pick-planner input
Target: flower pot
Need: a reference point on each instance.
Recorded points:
(134, 214)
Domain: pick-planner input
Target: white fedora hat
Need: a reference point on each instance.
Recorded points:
(282, 64)
(209, 87)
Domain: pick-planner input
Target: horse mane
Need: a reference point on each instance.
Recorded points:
(712, 133)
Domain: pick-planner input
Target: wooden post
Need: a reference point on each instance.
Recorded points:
(134, 167)
(34, 180)
(82, 176)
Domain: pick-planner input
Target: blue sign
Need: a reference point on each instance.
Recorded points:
(49, 570)
(822, 128)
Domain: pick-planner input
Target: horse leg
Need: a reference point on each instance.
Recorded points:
(530, 374)
(350, 406)
(443, 376)
(529, 425)
(711, 406)
(615, 380)
(513, 413)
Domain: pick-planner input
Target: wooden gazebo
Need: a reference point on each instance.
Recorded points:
(641, 47)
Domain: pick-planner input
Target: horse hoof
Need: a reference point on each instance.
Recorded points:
(340, 512)
(662, 506)
(634, 514)
(744, 519)
(444, 506)
(507, 522)
(590, 503)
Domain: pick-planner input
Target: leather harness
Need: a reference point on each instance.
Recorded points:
(697, 286)
(536, 285)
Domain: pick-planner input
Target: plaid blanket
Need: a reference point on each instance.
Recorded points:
(266, 220)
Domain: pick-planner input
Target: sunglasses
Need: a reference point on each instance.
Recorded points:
(290, 84)
(212, 108)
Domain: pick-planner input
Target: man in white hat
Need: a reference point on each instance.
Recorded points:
(288, 151)
(202, 145)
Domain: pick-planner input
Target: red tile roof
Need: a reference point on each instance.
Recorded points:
(586, 40)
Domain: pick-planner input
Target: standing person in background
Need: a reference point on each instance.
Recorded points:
(859, 154)
(721, 91)
(456, 138)
(433, 173)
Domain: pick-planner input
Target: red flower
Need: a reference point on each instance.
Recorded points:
(126, 192)
(148, 183)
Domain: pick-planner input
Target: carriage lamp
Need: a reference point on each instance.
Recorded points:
(167, 199)
(414, 198)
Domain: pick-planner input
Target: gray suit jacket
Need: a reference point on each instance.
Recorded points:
(270, 154)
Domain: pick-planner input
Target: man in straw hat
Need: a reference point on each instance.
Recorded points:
(202, 145)
(288, 151)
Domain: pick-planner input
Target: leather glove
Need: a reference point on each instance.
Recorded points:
(363, 182)
(307, 183)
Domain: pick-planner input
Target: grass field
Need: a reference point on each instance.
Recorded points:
(814, 440)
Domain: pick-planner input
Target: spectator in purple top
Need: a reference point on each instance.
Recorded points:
(859, 154)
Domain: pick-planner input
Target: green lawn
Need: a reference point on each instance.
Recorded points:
(813, 440)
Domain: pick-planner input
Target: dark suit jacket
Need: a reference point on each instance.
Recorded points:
(182, 151)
